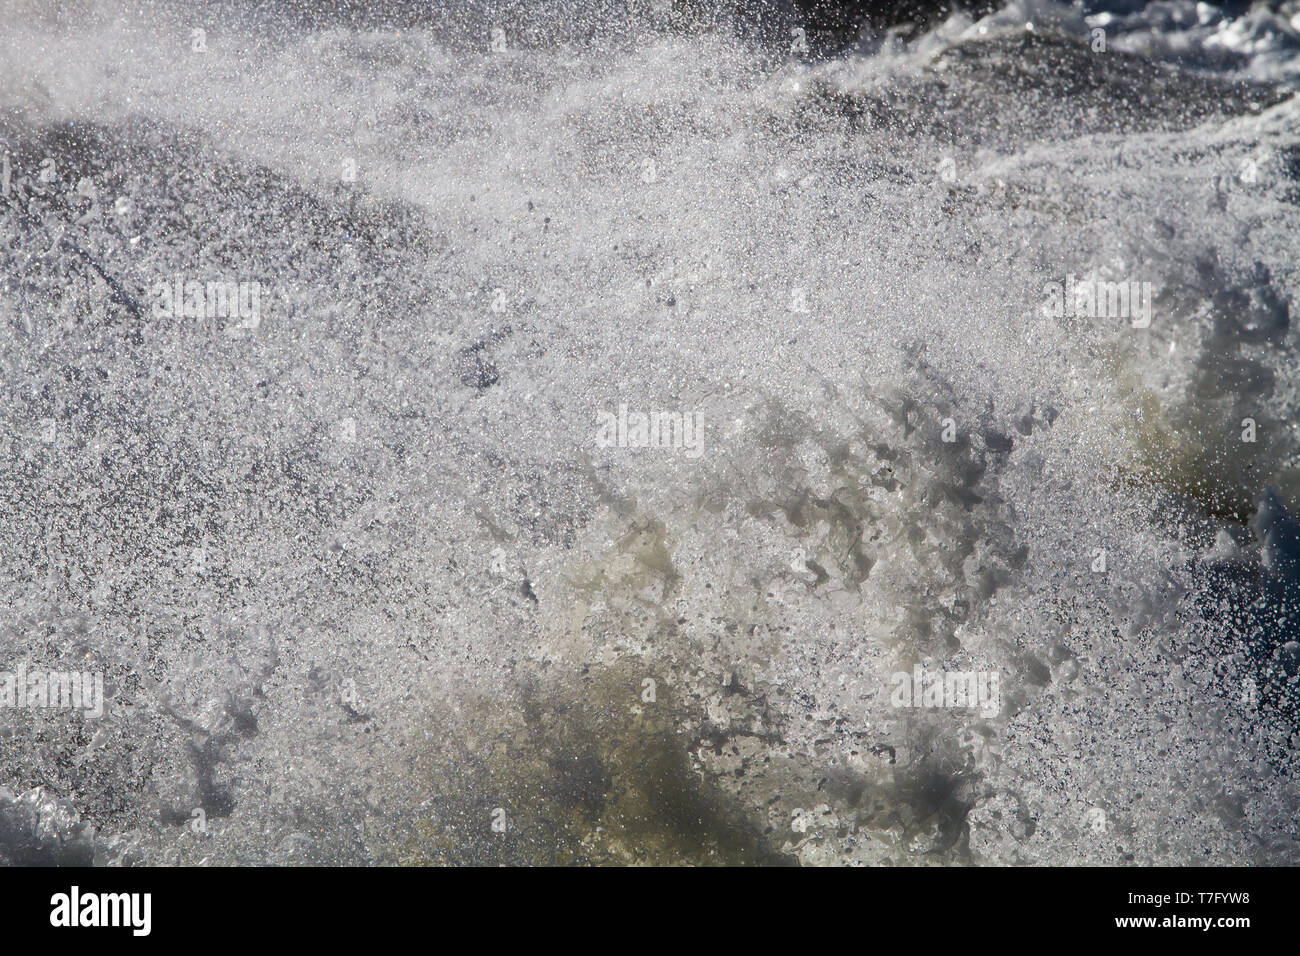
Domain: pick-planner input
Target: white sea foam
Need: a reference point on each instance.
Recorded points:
(917, 468)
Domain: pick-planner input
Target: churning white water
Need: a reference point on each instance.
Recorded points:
(649, 445)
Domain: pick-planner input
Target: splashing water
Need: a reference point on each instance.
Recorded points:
(987, 328)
